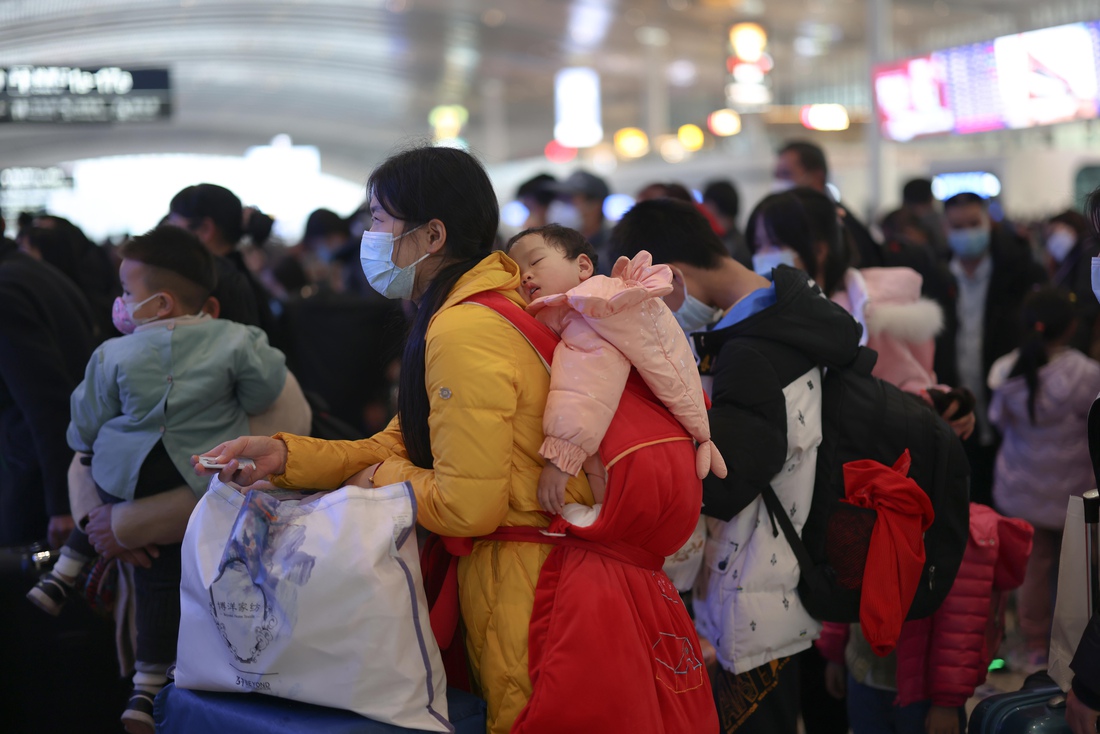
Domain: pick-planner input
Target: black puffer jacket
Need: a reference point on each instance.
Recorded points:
(754, 364)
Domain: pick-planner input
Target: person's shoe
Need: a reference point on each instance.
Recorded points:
(50, 593)
(138, 716)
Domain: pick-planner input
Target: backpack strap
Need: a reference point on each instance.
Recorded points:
(540, 336)
(810, 574)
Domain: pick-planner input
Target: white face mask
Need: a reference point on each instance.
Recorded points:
(1096, 277)
(780, 185)
(563, 213)
(694, 315)
(376, 258)
(1060, 243)
(765, 262)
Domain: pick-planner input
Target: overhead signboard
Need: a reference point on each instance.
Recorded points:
(65, 94)
(1012, 82)
(29, 188)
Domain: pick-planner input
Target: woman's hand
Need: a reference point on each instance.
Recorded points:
(106, 544)
(552, 483)
(269, 454)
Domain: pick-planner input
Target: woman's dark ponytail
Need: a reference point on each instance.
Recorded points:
(1047, 316)
(417, 186)
(413, 402)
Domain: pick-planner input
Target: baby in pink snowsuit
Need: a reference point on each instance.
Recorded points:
(607, 325)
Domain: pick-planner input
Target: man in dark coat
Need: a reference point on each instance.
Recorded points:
(995, 271)
(45, 342)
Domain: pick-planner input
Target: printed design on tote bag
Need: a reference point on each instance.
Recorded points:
(249, 605)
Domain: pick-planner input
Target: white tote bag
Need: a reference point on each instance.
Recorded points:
(1071, 607)
(317, 600)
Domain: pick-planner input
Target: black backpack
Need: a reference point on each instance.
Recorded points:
(863, 417)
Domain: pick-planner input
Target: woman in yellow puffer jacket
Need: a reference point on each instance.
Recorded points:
(472, 393)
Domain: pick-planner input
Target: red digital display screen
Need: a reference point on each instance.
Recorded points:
(1023, 80)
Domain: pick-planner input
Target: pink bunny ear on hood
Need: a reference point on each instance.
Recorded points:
(709, 460)
(620, 266)
(642, 272)
(632, 282)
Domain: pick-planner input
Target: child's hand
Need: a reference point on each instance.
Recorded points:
(552, 483)
(836, 680)
(942, 720)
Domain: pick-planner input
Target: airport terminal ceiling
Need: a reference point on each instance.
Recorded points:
(356, 78)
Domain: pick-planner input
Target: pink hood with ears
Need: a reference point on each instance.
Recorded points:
(897, 323)
(607, 326)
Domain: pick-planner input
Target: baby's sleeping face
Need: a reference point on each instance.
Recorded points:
(545, 269)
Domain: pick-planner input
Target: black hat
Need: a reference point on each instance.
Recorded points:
(585, 184)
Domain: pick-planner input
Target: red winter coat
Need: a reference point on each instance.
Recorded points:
(946, 656)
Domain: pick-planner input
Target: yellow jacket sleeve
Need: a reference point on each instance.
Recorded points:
(472, 388)
(314, 463)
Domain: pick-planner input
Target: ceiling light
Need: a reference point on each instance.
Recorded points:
(825, 117)
(630, 142)
(724, 123)
(649, 35)
(555, 152)
(577, 107)
(671, 149)
(691, 137)
(681, 73)
(748, 41)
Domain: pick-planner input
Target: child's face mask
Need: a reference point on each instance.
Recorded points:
(122, 314)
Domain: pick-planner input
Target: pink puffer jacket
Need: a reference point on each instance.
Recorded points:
(897, 323)
(608, 325)
(946, 656)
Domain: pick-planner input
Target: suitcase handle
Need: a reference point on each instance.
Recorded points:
(1094, 438)
(1092, 506)
(1092, 539)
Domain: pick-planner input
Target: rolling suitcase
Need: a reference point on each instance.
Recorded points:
(1038, 708)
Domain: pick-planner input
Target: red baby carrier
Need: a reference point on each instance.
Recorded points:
(611, 646)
